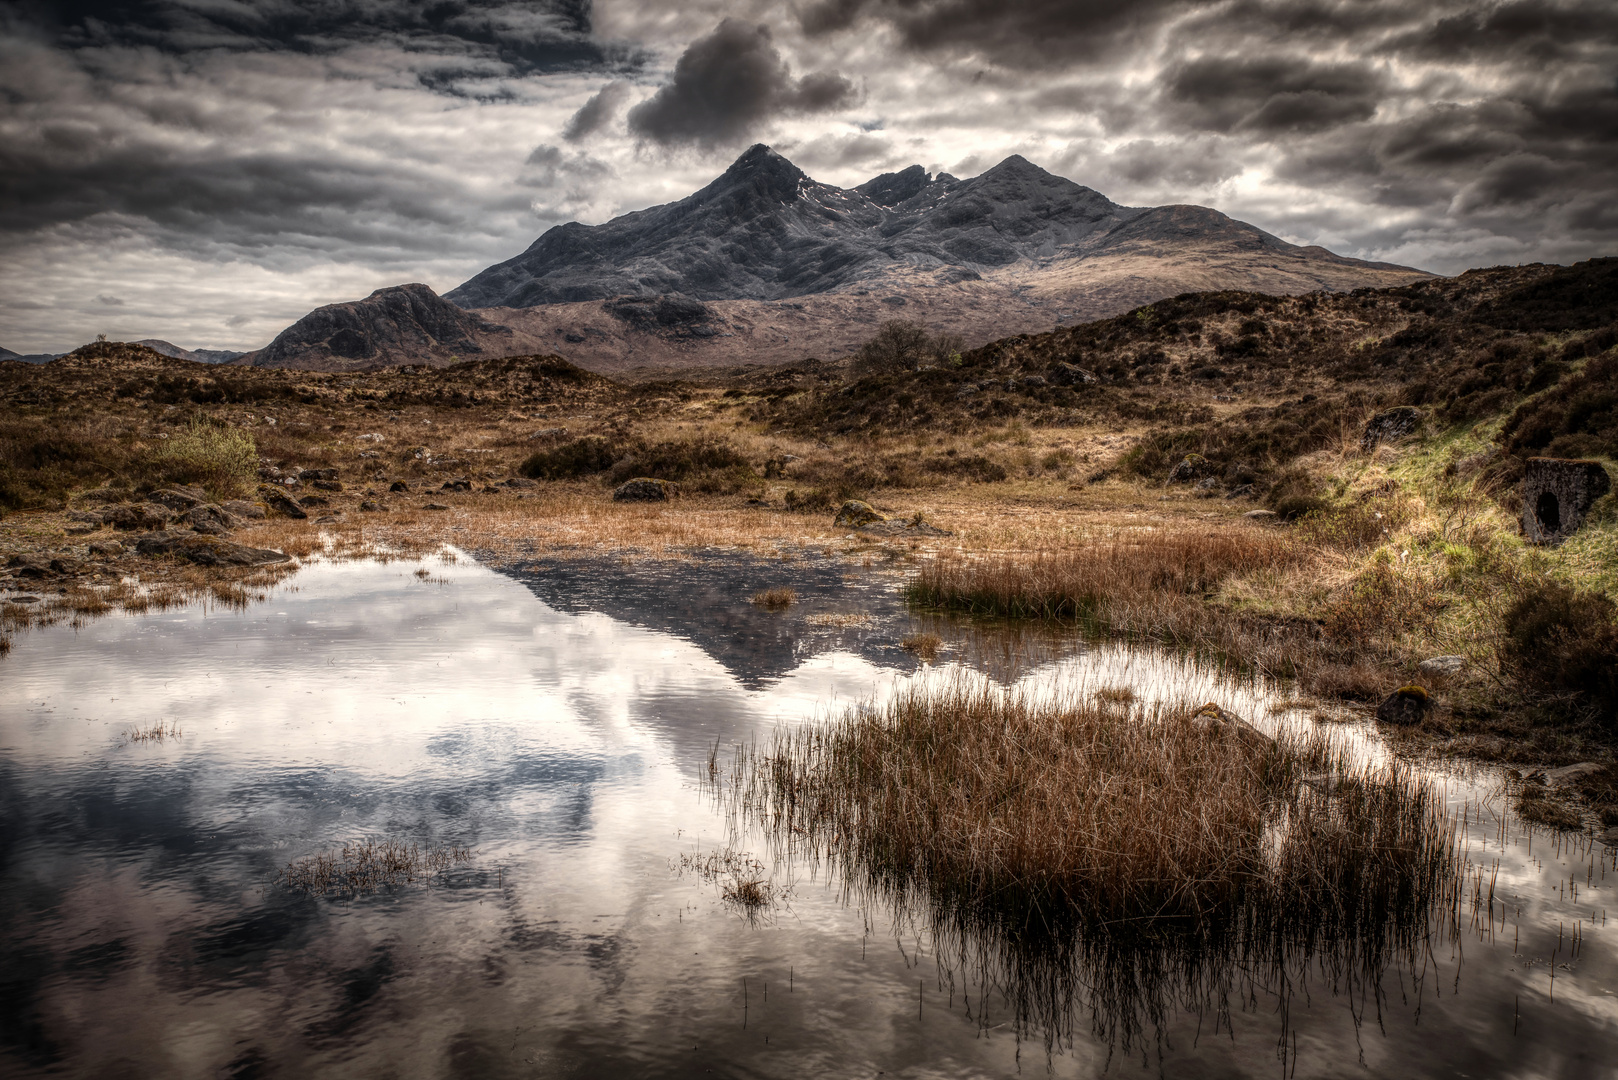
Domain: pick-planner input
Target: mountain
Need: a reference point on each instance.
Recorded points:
(201, 356)
(766, 265)
(27, 358)
(400, 324)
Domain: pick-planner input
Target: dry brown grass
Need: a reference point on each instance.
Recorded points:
(777, 599)
(1117, 851)
(742, 880)
(924, 645)
(369, 865)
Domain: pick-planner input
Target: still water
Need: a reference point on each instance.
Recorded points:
(556, 720)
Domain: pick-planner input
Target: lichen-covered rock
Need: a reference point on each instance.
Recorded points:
(277, 501)
(1213, 719)
(1405, 706)
(241, 508)
(1188, 469)
(644, 489)
(1390, 426)
(138, 517)
(208, 519)
(1441, 666)
(178, 498)
(106, 549)
(854, 513)
(460, 483)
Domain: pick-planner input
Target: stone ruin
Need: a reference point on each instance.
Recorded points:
(1556, 494)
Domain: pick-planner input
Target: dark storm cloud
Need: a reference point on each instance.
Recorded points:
(1270, 95)
(521, 35)
(1039, 32)
(728, 83)
(596, 113)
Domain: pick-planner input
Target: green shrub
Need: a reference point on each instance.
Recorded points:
(581, 457)
(1562, 643)
(222, 459)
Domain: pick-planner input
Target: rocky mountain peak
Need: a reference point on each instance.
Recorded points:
(891, 189)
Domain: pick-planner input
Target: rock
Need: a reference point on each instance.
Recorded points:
(1569, 775)
(1033, 382)
(1557, 494)
(436, 506)
(1390, 426)
(241, 508)
(1070, 375)
(209, 519)
(314, 502)
(398, 485)
(178, 498)
(854, 513)
(81, 530)
(520, 482)
(414, 453)
(206, 550)
(311, 476)
(107, 549)
(326, 485)
(1189, 468)
(1241, 491)
(370, 436)
(460, 483)
(1439, 666)
(276, 500)
(328, 519)
(368, 506)
(1260, 515)
(139, 517)
(63, 565)
(1405, 706)
(1212, 718)
(23, 598)
(101, 496)
(644, 489)
(1208, 484)
(32, 566)
(548, 434)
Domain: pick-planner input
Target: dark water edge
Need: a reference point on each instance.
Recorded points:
(555, 721)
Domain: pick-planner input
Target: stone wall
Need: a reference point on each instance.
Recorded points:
(1556, 494)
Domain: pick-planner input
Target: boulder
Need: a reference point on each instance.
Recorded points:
(208, 519)
(178, 498)
(368, 506)
(241, 508)
(1033, 382)
(854, 513)
(1390, 426)
(1189, 468)
(31, 566)
(644, 489)
(1441, 666)
(398, 485)
(106, 549)
(206, 550)
(317, 476)
(460, 483)
(277, 501)
(314, 502)
(1405, 706)
(101, 496)
(93, 518)
(1215, 720)
(139, 517)
(1557, 494)
(1070, 375)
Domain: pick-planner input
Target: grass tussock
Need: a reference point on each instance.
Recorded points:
(1103, 848)
(1084, 582)
(924, 645)
(369, 865)
(777, 599)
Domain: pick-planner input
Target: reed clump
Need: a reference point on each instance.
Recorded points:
(157, 731)
(369, 865)
(777, 599)
(1143, 856)
(1088, 581)
(924, 645)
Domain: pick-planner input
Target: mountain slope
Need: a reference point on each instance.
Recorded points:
(401, 324)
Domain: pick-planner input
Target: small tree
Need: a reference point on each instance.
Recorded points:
(899, 345)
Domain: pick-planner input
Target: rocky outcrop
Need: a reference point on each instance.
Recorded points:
(206, 550)
(404, 323)
(1390, 427)
(1557, 494)
(853, 514)
(277, 501)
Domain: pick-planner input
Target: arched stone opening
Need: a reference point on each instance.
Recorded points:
(1549, 512)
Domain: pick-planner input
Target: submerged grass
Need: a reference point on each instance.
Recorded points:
(369, 865)
(1069, 846)
(777, 599)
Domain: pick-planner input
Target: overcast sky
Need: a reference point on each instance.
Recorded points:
(207, 171)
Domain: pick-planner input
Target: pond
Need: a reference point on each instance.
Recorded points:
(551, 725)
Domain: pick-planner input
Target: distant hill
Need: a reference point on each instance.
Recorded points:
(401, 324)
(27, 358)
(768, 265)
(201, 356)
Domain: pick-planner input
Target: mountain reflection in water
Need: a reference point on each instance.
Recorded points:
(555, 722)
